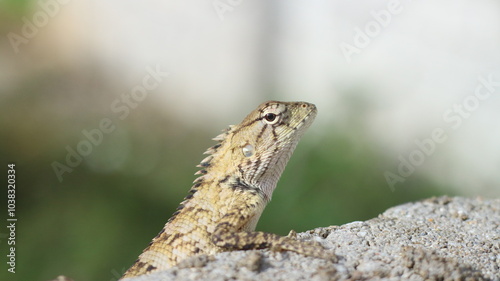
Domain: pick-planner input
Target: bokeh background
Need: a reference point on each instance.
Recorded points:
(384, 75)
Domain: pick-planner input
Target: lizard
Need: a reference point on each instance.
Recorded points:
(235, 183)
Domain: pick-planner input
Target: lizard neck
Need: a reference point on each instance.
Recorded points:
(221, 170)
(258, 175)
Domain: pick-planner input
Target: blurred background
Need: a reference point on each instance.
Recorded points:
(107, 106)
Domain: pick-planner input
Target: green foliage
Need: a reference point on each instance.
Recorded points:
(16, 6)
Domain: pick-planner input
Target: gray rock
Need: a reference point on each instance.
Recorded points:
(435, 239)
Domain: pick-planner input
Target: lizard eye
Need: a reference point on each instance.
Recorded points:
(271, 118)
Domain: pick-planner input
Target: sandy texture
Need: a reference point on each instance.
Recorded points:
(435, 239)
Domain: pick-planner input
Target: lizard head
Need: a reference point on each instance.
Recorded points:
(257, 150)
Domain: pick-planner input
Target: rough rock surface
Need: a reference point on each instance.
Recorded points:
(435, 239)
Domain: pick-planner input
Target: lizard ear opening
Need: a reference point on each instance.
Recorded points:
(248, 150)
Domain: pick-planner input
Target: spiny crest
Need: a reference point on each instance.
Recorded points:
(203, 164)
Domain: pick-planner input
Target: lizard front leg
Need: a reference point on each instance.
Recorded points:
(229, 236)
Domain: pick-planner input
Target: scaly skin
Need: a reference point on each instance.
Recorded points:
(236, 183)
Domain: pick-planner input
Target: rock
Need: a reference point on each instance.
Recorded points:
(435, 239)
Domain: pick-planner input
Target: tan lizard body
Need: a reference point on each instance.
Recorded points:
(237, 180)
